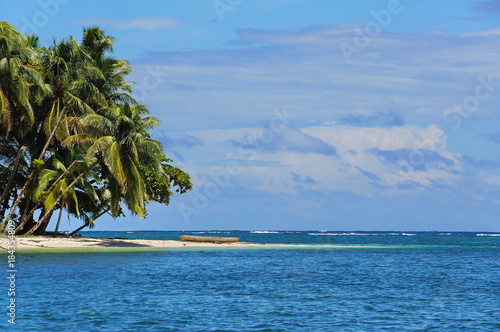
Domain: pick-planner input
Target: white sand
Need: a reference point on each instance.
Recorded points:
(84, 244)
(49, 242)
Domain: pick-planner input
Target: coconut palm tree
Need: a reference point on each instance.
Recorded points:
(122, 140)
(21, 87)
(17, 75)
(72, 137)
(68, 70)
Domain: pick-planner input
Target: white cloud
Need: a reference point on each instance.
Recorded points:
(415, 77)
(367, 161)
(137, 23)
(382, 114)
(493, 32)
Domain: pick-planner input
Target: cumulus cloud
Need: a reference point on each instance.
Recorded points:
(287, 139)
(420, 159)
(340, 158)
(356, 129)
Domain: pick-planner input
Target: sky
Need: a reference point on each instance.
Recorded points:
(309, 114)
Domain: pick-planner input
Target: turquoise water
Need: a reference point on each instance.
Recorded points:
(408, 282)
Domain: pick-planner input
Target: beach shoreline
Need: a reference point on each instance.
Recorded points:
(61, 242)
(50, 244)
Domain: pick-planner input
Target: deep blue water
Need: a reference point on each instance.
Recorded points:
(420, 282)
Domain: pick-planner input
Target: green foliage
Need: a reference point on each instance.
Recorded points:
(84, 143)
(160, 183)
(37, 163)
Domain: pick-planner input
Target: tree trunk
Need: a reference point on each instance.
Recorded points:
(45, 217)
(28, 224)
(53, 133)
(58, 220)
(33, 174)
(13, 172)
(4, 208)
(41, 230)
(40, 201)
(89, 222)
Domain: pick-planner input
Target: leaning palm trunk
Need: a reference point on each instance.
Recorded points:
(48, 213)
(53, 133)
(34, 173)
(6, 191)
(25, 217)
(88, 223)
(58, 220)
(13, 172)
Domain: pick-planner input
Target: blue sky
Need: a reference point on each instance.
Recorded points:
(310, 114)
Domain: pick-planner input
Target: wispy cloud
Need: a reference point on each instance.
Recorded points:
(399, 78)
(493, 137)
(145, 23)
(481, 163)
(488, 6)
(371, 119)
(493, 32)
(180, 140)
(372, 128)
(289, 139)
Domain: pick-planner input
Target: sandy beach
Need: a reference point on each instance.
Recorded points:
(50, 242)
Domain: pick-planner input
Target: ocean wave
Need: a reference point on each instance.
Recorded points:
(322, 234)
(487, 234)
(265, 232)
(211, 232)
(344, 234)
(362, 234)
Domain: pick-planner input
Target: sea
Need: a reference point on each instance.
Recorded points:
(335, 281)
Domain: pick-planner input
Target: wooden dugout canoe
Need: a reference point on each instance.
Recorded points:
(211, 239)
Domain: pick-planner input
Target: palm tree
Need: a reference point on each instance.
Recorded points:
(21, 87)
(17, 76)
(113, 84)
(122, 140)
(68, 70)
(84, 192)
(72, 137)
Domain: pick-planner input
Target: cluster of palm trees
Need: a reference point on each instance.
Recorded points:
(72, 137)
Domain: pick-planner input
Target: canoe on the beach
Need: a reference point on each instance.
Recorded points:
(212, 239)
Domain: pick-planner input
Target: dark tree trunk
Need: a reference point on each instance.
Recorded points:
(6, 192)
(58, 220)
(89, 222)
(45, 218)
(36, 169)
